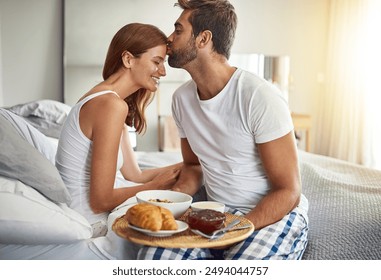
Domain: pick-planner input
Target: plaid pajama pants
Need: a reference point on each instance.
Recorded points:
(283, 240)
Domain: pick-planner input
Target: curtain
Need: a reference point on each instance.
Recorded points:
(350, 113)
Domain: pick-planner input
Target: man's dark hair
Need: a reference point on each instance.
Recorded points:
(217, 16)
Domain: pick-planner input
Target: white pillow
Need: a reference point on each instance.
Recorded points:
(21, 161)
(33, 136)
(28, 217)
(50, 110)
(46, 115)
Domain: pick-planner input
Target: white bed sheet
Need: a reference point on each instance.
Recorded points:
(109, 247)
(157, 159)
(81, 250)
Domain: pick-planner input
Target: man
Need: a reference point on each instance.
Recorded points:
(236, 138)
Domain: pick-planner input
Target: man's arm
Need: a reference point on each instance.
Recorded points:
(190, 178)
(280, 161)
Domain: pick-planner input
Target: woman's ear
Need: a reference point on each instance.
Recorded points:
(127, 59)
(204, 38)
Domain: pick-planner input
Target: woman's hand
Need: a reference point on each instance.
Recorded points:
(177, 166)
(166, 179)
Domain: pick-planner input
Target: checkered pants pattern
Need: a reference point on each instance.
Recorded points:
(283, 240)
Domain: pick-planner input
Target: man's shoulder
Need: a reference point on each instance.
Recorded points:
(188, 86)
(250, 78)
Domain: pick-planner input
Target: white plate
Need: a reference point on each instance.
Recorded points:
(162, 233)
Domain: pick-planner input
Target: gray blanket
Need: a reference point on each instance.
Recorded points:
(345, 209)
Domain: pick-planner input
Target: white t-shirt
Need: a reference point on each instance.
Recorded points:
(223, 133)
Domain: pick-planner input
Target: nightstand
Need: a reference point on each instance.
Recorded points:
(303, 122)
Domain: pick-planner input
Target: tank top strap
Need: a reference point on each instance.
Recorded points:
(91, 96)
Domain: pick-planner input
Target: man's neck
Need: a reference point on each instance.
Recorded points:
(211, 78)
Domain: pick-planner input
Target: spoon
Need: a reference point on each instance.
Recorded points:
(221, 232)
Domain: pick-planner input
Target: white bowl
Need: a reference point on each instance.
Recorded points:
(178, 205)
(200, 205)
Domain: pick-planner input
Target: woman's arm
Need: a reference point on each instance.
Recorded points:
(190, 179)
(131, 170)
(106, 116)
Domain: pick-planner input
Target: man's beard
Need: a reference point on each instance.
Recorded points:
(181, 57)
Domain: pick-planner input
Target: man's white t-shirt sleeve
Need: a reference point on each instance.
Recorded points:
(269, 116)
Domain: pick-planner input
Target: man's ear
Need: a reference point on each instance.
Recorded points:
(204, 38)
(127, 59)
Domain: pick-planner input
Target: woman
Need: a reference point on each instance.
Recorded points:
(94, 146)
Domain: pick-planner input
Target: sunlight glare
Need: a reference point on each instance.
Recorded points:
(372, 68)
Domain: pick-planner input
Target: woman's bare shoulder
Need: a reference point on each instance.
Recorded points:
(106, 102)
(104, 110)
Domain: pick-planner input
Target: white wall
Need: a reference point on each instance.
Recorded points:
(31, 50)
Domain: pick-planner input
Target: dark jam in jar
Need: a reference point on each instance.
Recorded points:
(206, 220)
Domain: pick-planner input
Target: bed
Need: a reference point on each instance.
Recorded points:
(36, 223)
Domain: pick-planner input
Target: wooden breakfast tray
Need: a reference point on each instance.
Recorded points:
(185, 239)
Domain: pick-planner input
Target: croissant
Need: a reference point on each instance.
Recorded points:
(151, 217)
(144, 215)
(168, 221)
